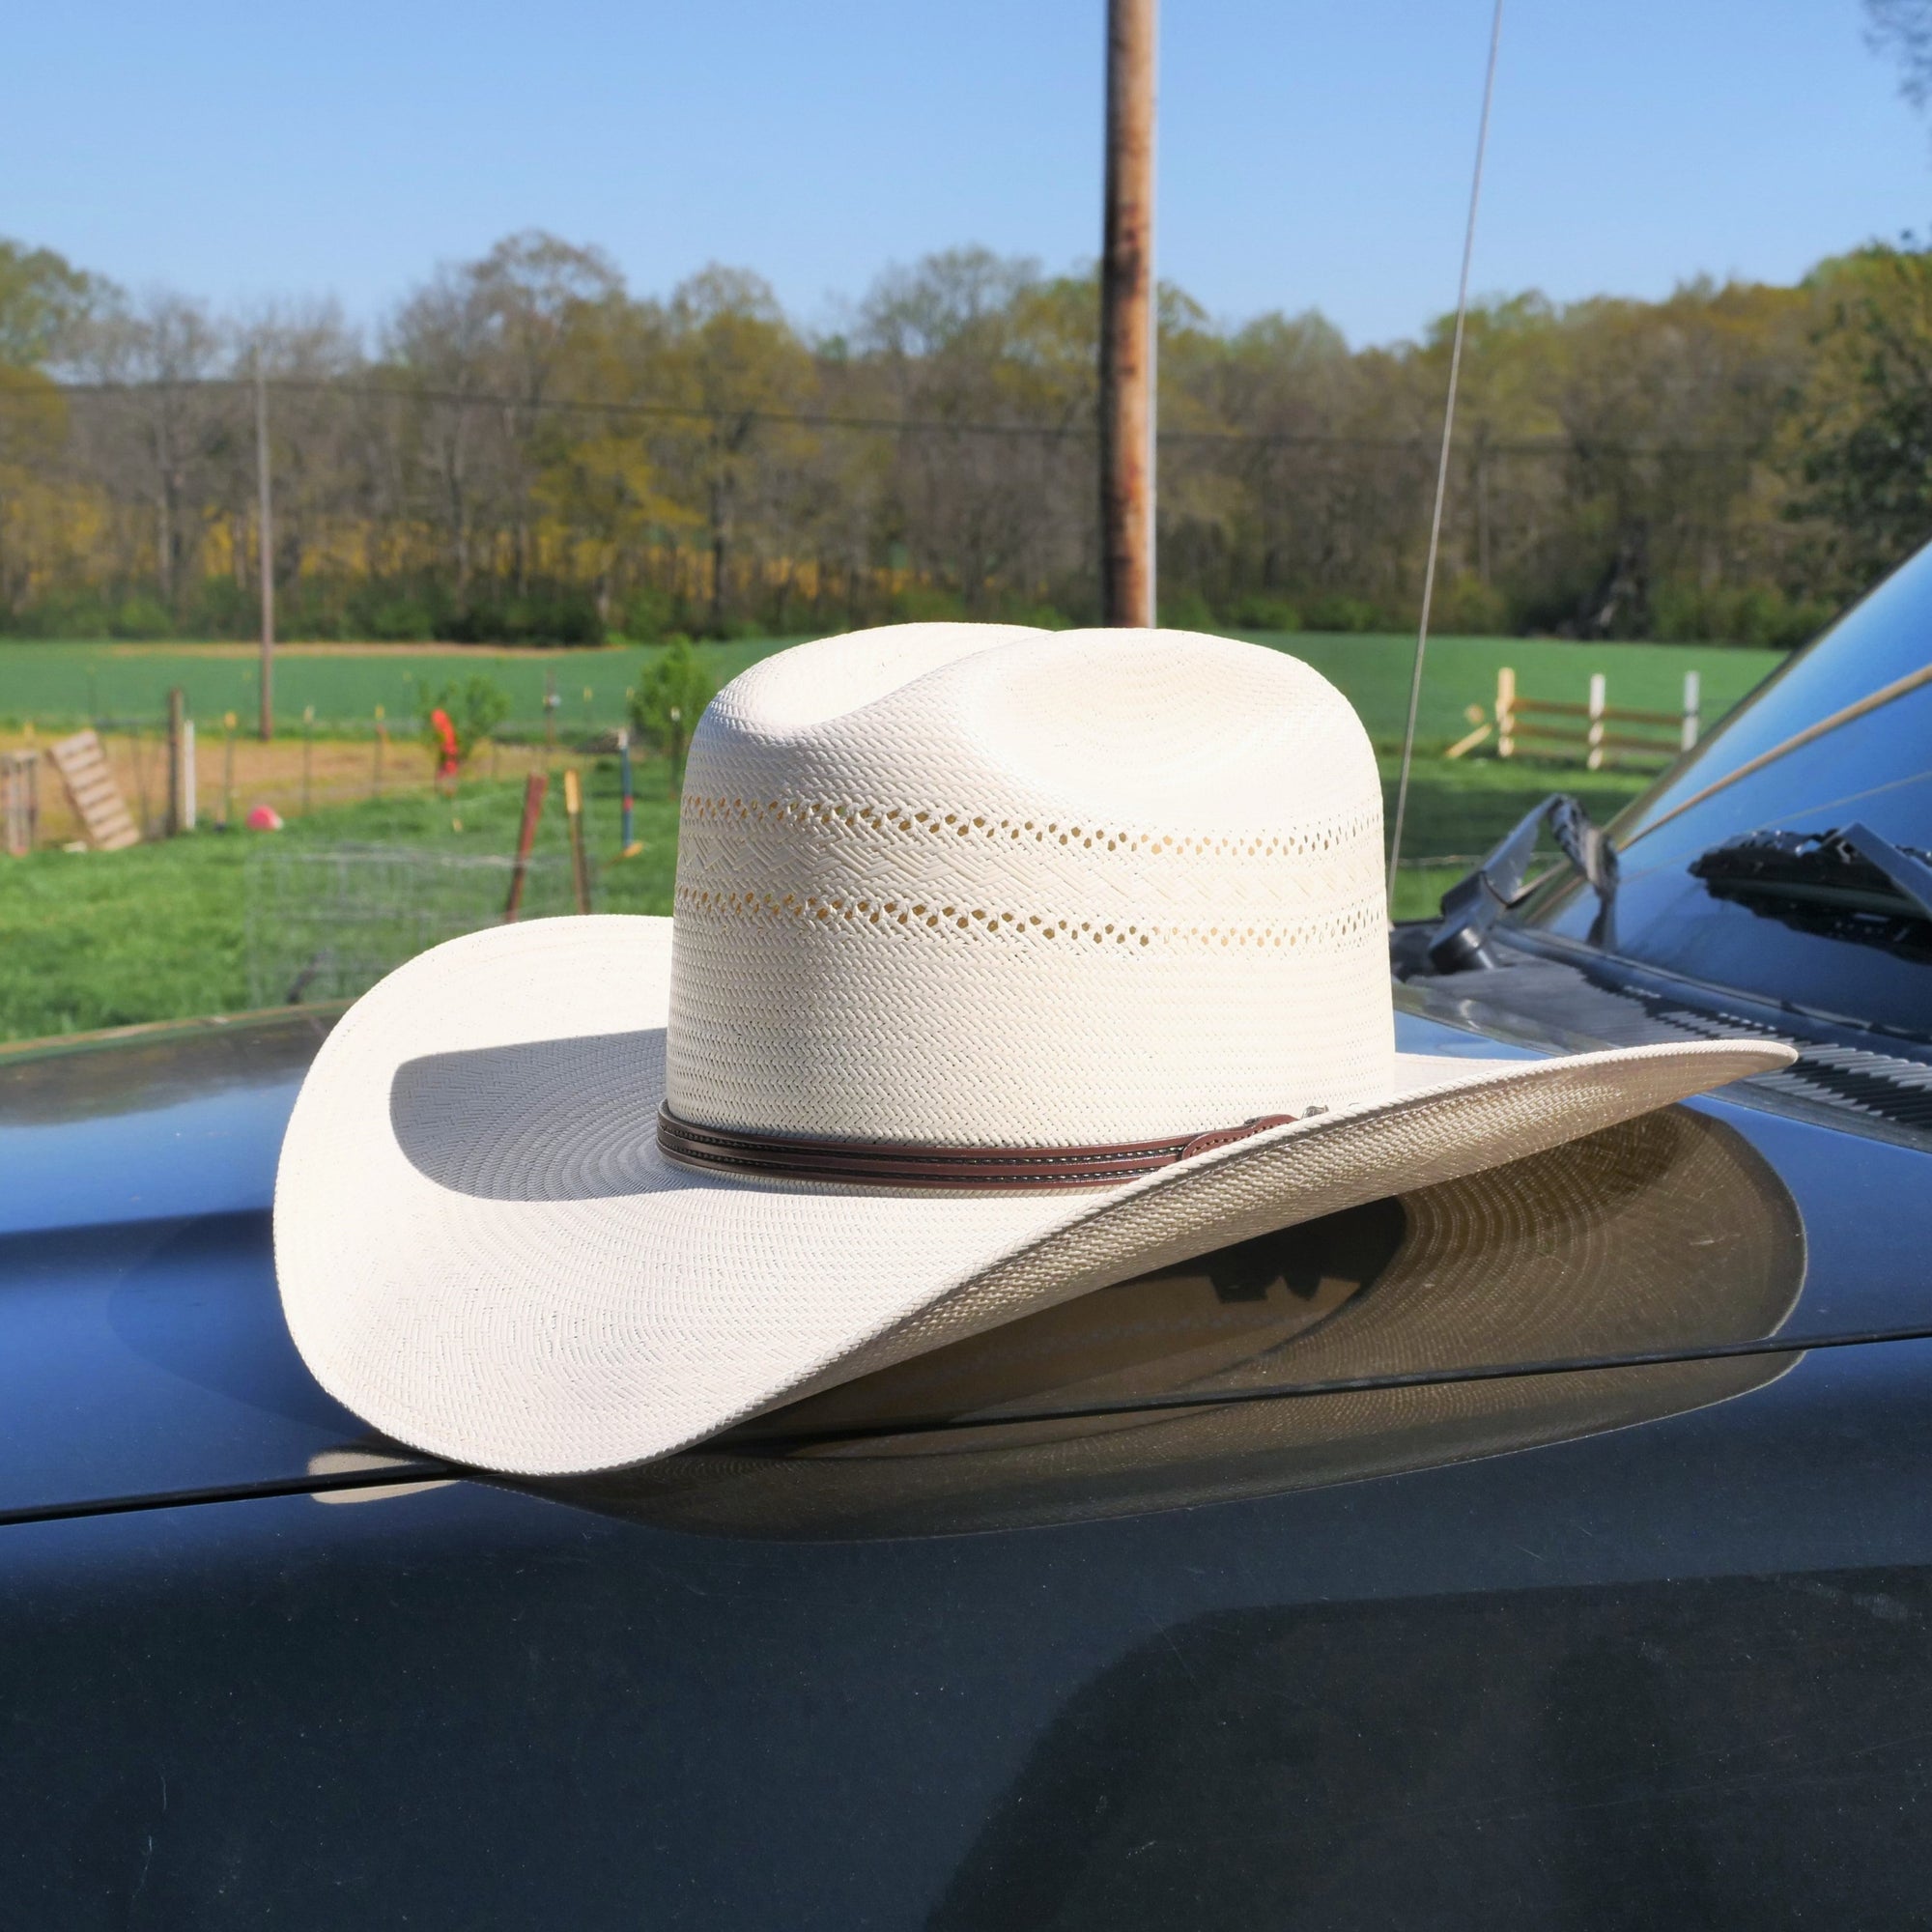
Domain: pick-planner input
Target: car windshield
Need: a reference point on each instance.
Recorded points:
(1875, 770)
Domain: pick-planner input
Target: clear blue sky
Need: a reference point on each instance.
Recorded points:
(1311, 152)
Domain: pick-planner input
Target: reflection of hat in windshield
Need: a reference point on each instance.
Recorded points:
(1664, 1234)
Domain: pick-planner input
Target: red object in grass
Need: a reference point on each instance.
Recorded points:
(446, 736)
(265, 818)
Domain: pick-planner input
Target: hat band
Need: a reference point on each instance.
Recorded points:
(756, 1156)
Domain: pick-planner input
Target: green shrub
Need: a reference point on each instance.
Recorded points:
(1267, 613)
(650, 615)
(1339, 612)
(1465, 606)
(668, 699)
(1761, 617)
(927, 604)
(140, 617)
(1188, 610)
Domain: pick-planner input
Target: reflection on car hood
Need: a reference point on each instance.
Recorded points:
(143, 1353)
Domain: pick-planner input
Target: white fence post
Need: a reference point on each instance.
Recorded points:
(188, 798)
(1689, 740)
(1505, 713)
(1595, 759)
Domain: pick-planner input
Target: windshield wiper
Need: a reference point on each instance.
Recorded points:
(1473, 905)
(1849, 881)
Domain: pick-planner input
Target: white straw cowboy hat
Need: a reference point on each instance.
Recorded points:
(1004, 965)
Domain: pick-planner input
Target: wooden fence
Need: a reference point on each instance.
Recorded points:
(1596, 733)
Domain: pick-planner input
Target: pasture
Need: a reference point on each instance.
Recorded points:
(213, 923)
(59, 686)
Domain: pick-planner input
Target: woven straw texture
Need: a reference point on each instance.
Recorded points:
(1061, 889)
(482, 1254)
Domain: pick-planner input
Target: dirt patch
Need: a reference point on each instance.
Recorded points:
(336, 770)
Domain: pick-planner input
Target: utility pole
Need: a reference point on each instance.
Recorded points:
(1127, 320)
(267, 545)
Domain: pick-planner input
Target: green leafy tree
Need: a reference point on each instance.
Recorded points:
(1864, 433)
(669, 700)
(474, 708)
(43, 299)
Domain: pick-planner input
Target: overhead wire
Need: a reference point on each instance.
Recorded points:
(1442, 464)
(410, 393)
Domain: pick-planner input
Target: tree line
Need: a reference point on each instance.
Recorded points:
(526, 451)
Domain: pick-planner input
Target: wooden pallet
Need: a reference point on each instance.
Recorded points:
(82, 764)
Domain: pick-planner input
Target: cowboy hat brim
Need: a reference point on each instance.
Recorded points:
(483, 1254)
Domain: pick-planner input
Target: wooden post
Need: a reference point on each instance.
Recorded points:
(1505, 713)
(1127, 320)
(534, 787)
(190, 778)
(177, 710)
(265, 542)
(21, 790)
(1594, 738)
(573, 812)
(1687, 735)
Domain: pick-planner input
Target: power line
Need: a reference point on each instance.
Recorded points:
(721, 413)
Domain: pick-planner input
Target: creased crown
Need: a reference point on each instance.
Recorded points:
(967, 884)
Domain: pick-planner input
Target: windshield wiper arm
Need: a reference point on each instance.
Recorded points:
(1474, 904)
(1849, 870)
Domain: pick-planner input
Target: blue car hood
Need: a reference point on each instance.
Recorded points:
(143, 1354)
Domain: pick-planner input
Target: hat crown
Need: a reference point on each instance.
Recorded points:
(968, 884)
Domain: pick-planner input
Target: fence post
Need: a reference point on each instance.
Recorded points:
(20, 797)
(177, 709)
(628, 845)
(1595, 740)
(534, 787)
(573, 812)
(1688, 741)
(190, 778)
(1505, 713)
(308, 747)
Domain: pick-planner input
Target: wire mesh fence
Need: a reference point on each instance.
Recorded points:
(326, 922)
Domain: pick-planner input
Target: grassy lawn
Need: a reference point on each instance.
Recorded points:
(1375, 674)
(217, 922)
(62, 685)
(205, 924)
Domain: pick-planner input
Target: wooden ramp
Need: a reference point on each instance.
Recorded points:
(82, 764)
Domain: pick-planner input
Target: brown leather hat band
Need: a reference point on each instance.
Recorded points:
(906, 1164)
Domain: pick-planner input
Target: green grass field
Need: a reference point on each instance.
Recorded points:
(167, 930)
(58, 686)
(215, 923)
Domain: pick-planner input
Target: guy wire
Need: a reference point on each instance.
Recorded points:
(1442, 466)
